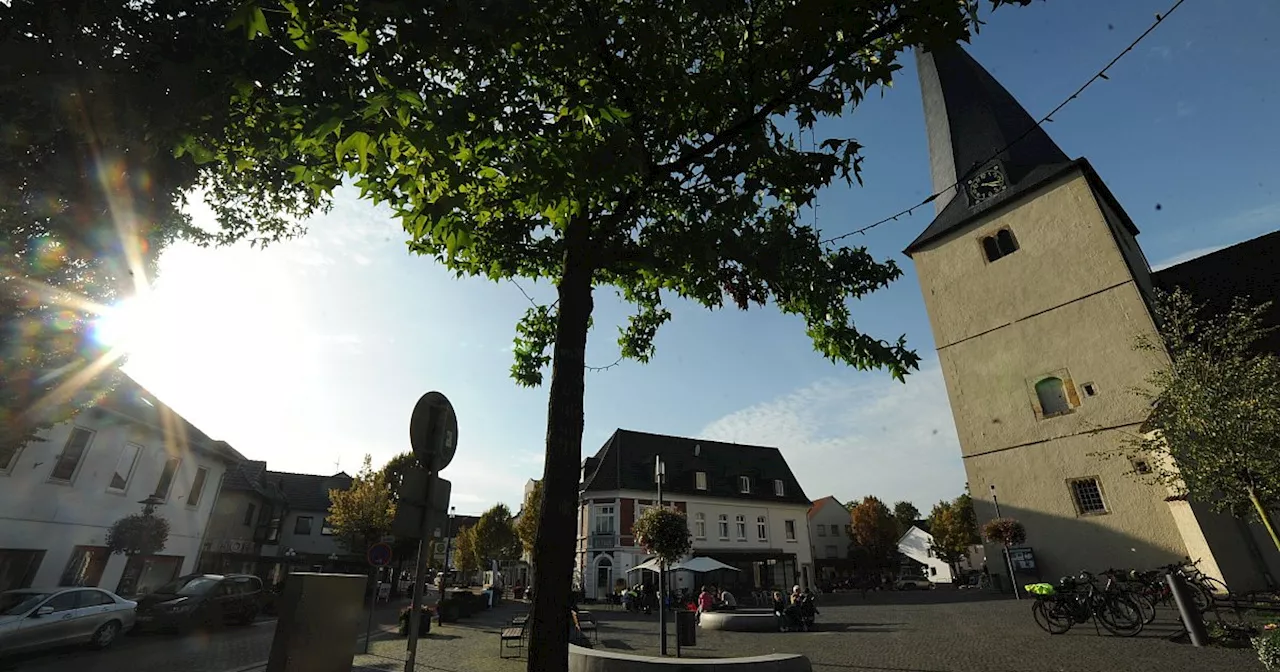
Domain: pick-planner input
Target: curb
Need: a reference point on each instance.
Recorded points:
(248, 668)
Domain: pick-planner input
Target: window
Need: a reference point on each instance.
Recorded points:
(62, 602)
(604, 516)
(302, 525)
(1090, 390)
(790, 527)
(700, 525)
(744, 484)
(1140, 465)
(933, 571)
(85, 567)
(68, 462)
(326, 528)
(197, 487)
(124, 468)
(9, 456)
(1052, 395)
(779, 488)
(822, 530)
(700, 480)
(93, 598)
(1002, 244)
(762, 528)
(1087, 494)
(724, 526)
(740, 522)
(249, 514)
(18, 568)
(166, 477)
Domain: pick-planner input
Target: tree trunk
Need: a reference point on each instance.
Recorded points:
(1265, 515)
(556, 544)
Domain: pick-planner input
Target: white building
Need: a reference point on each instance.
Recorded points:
(59, 495)
(917, 544)
(829, 538)
(745, 509)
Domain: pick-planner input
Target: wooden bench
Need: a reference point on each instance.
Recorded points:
(515, 633)
(520, 620)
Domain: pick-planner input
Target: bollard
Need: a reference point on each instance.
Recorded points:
(1191, 619)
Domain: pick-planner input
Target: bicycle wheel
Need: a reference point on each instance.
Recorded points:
(1213, 586)
(1119, 614)
(1050, 617)
(1146, 606)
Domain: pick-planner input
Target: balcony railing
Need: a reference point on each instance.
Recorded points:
(603, 540)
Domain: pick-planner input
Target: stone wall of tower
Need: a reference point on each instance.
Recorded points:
(1066, 304)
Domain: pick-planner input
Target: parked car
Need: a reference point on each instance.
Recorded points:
(32, 618)
(912, 583)
(201, 600)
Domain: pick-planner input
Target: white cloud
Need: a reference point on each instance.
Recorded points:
(867, 436)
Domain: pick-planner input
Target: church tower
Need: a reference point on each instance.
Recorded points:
(1036, 291)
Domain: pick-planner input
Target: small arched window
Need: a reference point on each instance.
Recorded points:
(1052, 394)
(1000, 244)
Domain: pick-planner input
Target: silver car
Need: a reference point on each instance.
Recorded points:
(33, 618)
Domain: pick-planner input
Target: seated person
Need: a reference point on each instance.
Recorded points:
(727, 601)
(780, 610)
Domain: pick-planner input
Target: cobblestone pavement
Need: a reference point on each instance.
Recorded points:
(937, 631)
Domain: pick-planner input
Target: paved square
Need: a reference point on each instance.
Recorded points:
(937, 631)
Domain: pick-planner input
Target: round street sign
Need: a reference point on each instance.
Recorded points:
(433, 431)
(379, 555)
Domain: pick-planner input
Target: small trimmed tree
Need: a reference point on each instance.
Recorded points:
(466, 559)
(664, 533)
(139, 534)
(954, 527)
(362, 514)
(495, 536)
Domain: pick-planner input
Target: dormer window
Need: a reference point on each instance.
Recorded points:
(700, 480)
(1001, 244)
(779, 488)
(744, 484)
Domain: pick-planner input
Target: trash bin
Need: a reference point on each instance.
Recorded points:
(686, 628)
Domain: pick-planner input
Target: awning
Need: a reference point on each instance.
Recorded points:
(702, 564)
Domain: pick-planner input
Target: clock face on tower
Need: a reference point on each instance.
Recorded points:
(986, 184)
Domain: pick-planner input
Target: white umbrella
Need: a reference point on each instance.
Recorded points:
(651, 565)
(703, 564)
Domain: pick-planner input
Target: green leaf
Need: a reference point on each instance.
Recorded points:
(360, 143)
(250, 17)
(359, 39)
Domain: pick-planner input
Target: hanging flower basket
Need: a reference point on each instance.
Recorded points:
(1005, 531)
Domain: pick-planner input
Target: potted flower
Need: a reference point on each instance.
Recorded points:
(424, 619)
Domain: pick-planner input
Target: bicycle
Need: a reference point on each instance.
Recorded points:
(1076, 600)
(1118, 582)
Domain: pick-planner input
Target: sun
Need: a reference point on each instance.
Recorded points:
(127, 325)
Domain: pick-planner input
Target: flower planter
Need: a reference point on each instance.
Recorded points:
(424, 622)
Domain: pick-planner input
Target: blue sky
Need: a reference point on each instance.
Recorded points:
(311, 353)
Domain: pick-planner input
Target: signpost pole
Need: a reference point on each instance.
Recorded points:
(419, 574)
(373, 604)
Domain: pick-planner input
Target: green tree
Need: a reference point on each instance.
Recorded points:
(527, 527)
(495, 536)
(875, 533)
(1215, 418)
(906, 514)
(466, 557)
(362, 514)
(640, 147)
(98, 95)
(954, 527)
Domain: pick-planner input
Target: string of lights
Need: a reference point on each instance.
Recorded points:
(533, 303)
(1101, 74)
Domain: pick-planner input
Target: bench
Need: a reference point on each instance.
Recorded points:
(740, 620)
(582, 659)
(515, 634)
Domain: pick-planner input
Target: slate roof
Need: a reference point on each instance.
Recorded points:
(626, 460)
(970, 118)
(1248, 269)
(306, 492)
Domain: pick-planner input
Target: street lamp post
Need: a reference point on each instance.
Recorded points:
(1008, 558)
(660, 475)
(448, 537)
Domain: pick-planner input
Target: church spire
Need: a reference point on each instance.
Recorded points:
(970, 120)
